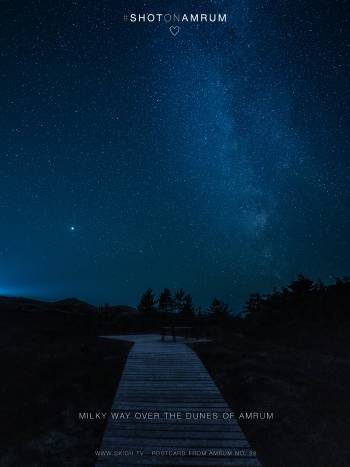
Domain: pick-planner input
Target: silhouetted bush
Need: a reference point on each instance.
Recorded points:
(303, 309)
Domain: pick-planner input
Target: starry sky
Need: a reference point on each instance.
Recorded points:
(216, 160)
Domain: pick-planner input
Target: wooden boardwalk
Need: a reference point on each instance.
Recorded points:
(185, 423)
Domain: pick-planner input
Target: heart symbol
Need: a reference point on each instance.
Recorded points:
(174, 30)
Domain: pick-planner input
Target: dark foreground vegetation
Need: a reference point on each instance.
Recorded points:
(307, 391)
(52, 367)
(287, 353)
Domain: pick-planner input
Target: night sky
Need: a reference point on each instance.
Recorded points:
(216, 160)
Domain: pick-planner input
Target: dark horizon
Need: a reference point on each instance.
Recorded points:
(203, 307)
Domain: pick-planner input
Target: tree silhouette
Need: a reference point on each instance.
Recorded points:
(187, 310)
(147, 303)
(179, 300)
(166, 301)
(218, 309)
(302, 285)
(253, 305)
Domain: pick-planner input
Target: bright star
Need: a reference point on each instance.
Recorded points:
(72, 228)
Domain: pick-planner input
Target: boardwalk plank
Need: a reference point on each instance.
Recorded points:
(156, 434)
(179, 461)
(111, 442)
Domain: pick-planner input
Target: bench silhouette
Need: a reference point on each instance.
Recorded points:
(176, 330)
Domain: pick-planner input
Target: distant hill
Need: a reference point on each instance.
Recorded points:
(67, 306)
(70, 305)
(21, 316)
(124, 309)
